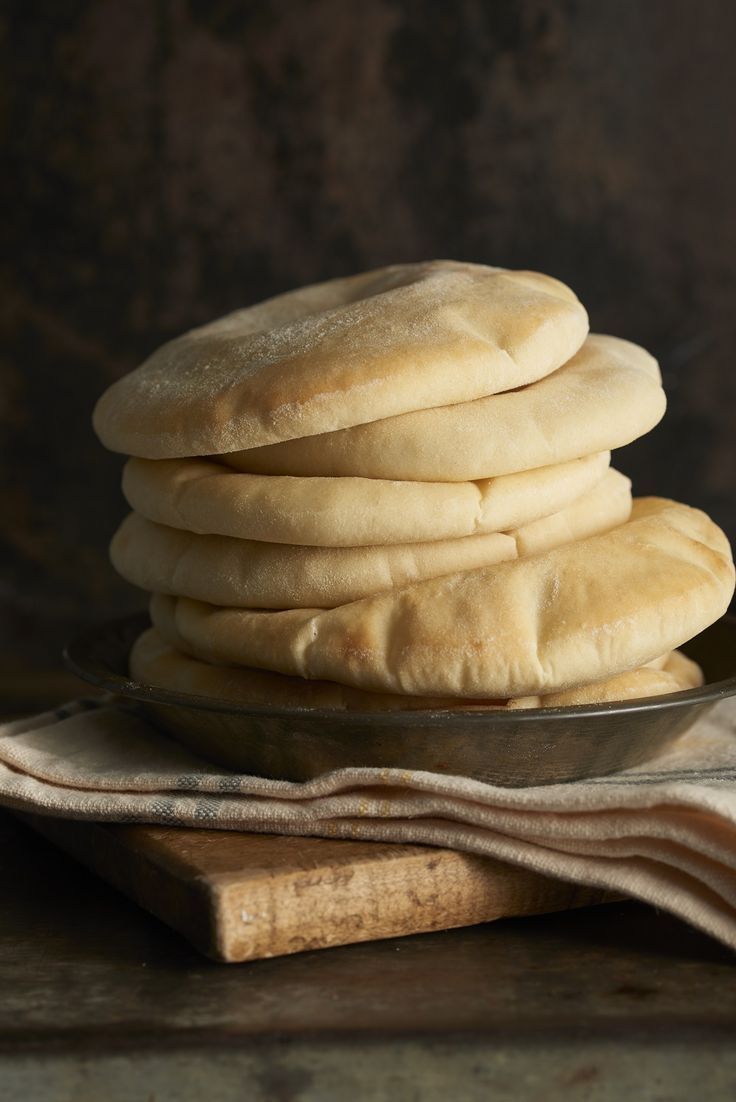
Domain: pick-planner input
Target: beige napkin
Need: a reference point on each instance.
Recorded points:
(664, 832)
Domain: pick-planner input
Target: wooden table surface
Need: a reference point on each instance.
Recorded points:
(99, 1000)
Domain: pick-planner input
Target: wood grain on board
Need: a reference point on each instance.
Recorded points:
(241, 897)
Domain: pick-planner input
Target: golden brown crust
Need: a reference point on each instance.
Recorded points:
(343, 353)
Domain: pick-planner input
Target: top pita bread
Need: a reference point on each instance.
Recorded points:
(343, 353)
(573, 615)
(607, 395)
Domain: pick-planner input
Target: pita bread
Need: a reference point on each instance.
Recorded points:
(674, 673)
(570, 616)
(607, 395)
(343, 353)
(154, 662)
(250, 574)
(205, 497)
(604, 506)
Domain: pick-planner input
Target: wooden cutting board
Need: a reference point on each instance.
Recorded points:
(241, 897)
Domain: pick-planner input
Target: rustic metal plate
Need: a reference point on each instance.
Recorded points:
(534, 746)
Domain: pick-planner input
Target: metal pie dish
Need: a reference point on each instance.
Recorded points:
(532, 746)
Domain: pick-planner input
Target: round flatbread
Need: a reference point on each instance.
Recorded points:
(201, 496)
(607, 395)
(343, 353)
(250, 574)
(154, 662)
(570, 616)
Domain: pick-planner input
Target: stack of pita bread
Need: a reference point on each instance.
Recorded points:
(394, 491)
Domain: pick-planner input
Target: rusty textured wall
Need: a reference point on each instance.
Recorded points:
(168, 160)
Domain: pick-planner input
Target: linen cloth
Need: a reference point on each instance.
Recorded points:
(663, 832)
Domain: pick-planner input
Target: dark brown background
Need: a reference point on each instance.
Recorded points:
(171, 160)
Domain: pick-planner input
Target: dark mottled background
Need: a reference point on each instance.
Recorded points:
(167, 160)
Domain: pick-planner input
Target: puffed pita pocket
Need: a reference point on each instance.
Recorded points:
(342, 353)
(576, 614)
